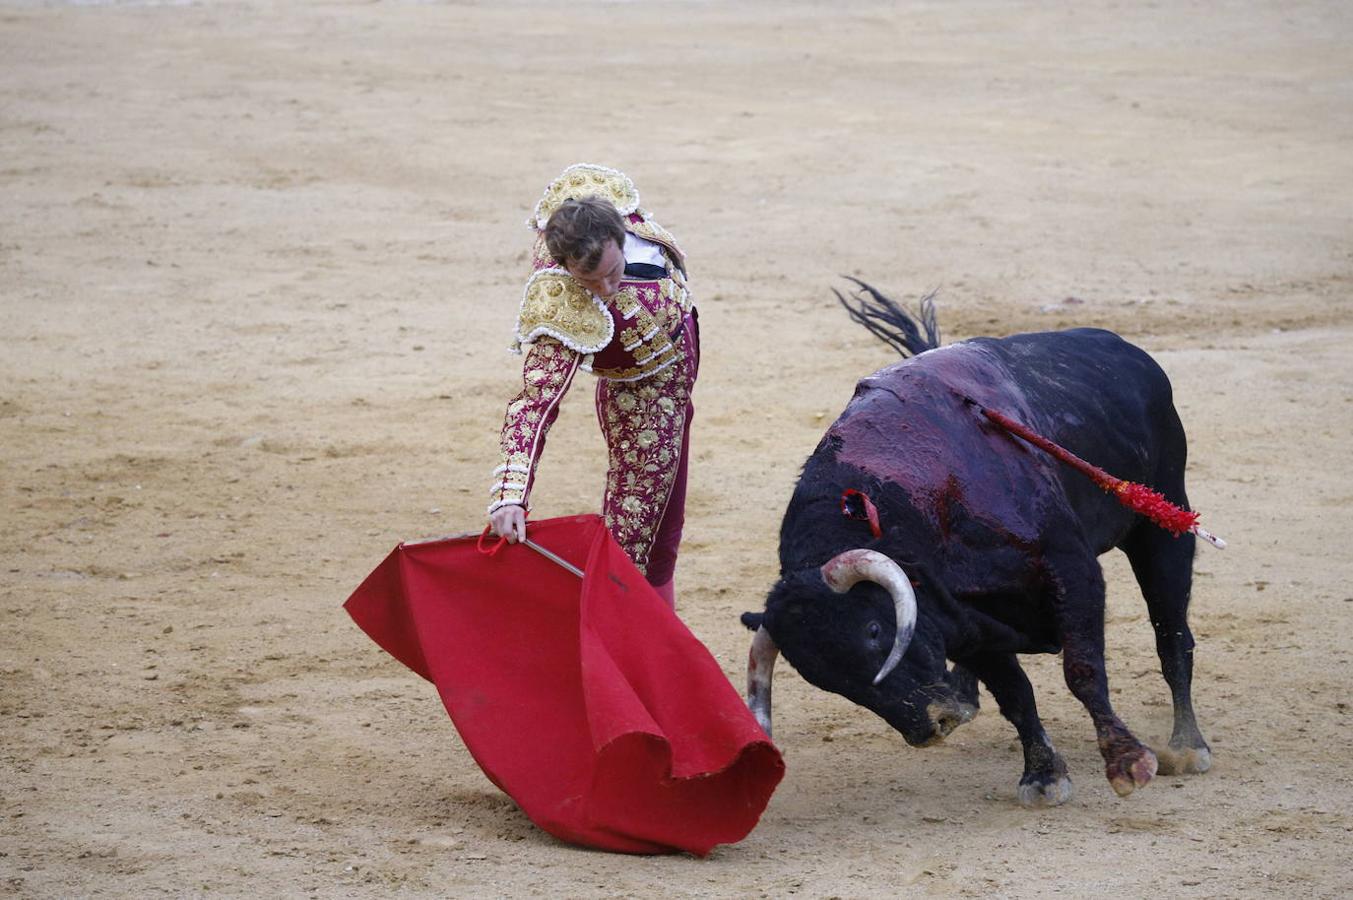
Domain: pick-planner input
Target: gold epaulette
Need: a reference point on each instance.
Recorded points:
(554, 304)
(586, 180)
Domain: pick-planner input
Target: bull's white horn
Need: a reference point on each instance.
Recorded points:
(844, 571)
(760, 669)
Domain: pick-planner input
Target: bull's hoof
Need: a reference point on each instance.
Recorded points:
(1042, 791)
(1180, 760)
(1132, 770)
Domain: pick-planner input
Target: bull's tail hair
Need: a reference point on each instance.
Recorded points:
(889, 322)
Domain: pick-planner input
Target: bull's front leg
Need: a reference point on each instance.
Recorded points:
(1045, 781)
(1128, 763)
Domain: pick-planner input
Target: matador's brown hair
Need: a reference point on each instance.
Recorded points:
(579, 231)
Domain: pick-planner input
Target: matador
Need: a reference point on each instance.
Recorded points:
(608, 295)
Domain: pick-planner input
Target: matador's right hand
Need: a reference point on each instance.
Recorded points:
(509, 522)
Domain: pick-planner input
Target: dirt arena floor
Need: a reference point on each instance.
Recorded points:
(258, 266)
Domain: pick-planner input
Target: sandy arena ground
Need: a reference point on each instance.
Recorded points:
(258, 264)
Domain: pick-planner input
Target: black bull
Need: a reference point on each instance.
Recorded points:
(997, 540)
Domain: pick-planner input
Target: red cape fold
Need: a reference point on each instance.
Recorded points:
(586, 700)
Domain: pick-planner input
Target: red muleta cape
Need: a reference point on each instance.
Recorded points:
(585, 700)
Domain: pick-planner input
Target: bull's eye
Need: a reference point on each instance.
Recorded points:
(874, 631)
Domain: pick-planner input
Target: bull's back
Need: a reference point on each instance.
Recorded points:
(1108, 402)
(1099, 396)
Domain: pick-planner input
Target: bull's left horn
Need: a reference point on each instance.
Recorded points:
(844, 571)
(760, 669)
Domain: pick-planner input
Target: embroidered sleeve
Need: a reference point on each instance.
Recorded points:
(547, 372)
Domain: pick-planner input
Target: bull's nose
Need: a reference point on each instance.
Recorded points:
(947, 723)
(944, 718)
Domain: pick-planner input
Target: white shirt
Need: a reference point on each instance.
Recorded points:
(642, 250)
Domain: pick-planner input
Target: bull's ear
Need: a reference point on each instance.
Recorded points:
(752, 620)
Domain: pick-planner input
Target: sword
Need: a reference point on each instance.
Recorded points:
(557, 560)
(552, 557)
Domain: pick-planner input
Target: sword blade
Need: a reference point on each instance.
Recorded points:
(553, 558)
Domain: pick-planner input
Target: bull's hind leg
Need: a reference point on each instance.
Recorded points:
(1163, 565)
(1045, 782)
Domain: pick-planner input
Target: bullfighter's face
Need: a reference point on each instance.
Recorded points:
(604, 280)
(838, 642)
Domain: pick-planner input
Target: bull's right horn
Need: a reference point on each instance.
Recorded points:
(843, 571)
(760, 669)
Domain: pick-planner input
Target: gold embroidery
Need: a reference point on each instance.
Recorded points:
(546, 373)
(626, 302)
(647, 335)
(585, 180)
(629, 337)
(643, 421)
(659, 363)
(556, 305)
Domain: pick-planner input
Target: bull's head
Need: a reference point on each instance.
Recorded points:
(852, 627)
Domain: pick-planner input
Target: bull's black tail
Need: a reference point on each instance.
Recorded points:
(891, 323)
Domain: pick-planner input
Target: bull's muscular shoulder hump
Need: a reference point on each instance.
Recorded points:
(945, 376)
(910, 425)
